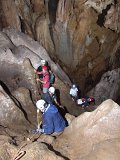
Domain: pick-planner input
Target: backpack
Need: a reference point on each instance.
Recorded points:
(52, 78)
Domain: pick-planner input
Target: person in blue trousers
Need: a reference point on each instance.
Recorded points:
(52, 122)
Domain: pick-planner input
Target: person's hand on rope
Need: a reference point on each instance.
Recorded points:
(39, 130)
(35, 70)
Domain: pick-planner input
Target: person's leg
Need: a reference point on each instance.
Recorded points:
(45, 90)
(56, 134)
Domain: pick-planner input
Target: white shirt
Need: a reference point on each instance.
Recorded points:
(73, 92)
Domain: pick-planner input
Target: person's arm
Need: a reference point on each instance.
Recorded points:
(44, 82)
(39, 80)
(40, 72)
(56, 102)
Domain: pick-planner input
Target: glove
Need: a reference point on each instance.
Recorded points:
(39, 130)
(61, 106)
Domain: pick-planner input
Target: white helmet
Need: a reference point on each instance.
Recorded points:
(41, 104)
(43, 62)
(52, 90)
(73, 86)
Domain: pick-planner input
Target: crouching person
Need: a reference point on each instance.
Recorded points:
(52, 121)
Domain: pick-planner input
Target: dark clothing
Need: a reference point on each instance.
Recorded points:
(39, 69)
(84, 102)
(52, 120)
(48, 98)
(90, 100)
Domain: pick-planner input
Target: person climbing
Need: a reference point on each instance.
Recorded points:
(74, 92)
(50, 97)
(52, 121)
(39, 69)
(90, 100)
(82, 102)
(85, 102)
(46, 79)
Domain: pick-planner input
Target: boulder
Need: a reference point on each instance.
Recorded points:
(11, 114)
(99, 5)
(39, 151)
(5, 42)
(112, 18)
(23, 97)
(108, 87)
(7, 149)
(89, 132)
(17, 72)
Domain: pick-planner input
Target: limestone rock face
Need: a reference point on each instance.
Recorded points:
(23, 97)
(99, 5)
(5, 42)
(7, 150)
(92, 133)
(77, 34)
(9, 15)
(108, 149)
(82, 42)
(11, 115)
(19, 38)
(112, 18)
(108, 87)
(39, 151)
(15, 73)
(44, 37)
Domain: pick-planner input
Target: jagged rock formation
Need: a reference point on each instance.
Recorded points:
(89, 136)
(19, 38)
(77, 34)
(11, 113)
(24, 98)
(108, 87)
(81, 36)
(112, 18)
(100, 5)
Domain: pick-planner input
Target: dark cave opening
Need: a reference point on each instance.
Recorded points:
(52, 8)
(101, 17)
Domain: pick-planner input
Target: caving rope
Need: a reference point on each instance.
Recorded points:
(20, 152)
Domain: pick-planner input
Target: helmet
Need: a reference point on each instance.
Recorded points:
(73, 86)
(41, 104)
(52, 90)
(44, 67)
(43, 62)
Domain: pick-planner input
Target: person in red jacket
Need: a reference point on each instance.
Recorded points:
(46, 79)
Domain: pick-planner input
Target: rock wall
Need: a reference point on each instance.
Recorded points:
(89, 136)
(82, 36)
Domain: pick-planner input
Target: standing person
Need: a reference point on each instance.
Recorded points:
(52, 121)
(74, 92)
(46, 79)
(50, 97)
(39, 69)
